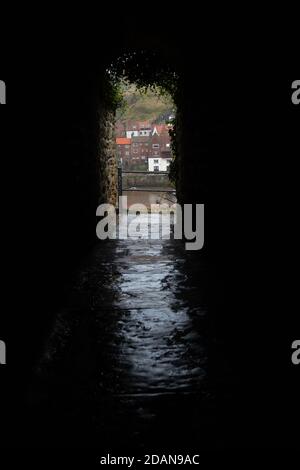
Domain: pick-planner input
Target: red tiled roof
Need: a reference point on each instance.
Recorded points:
(123, 141)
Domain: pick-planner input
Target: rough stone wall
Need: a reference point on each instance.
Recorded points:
(107, 161)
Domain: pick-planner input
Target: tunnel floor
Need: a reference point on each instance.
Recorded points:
(126, 365)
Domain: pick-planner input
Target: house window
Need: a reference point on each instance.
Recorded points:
(156, 161)
(127, 153)
(156, 168)
(155, 146)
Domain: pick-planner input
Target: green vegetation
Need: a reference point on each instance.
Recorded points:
(147, 105)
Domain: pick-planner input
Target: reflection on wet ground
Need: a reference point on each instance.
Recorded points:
(127, 362)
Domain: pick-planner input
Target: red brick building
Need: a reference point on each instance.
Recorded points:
(140, 149)
(123, 149)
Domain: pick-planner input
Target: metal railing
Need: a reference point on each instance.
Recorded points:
(122, 172)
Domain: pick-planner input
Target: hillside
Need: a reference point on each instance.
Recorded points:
(144, 107)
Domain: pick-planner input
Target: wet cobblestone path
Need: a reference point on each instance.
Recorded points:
(127, 360)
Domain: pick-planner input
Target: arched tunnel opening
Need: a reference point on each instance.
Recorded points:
(141, 344)
(138, 144)
(139, 129)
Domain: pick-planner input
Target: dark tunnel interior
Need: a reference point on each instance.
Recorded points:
(236, 142)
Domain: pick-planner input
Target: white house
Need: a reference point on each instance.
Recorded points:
(130, 134)
(145, 132)
(158, 164)
(142, 132)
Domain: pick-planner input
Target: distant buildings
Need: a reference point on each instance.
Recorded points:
(144, 145)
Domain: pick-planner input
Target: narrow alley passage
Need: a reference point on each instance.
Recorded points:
(127, 360)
